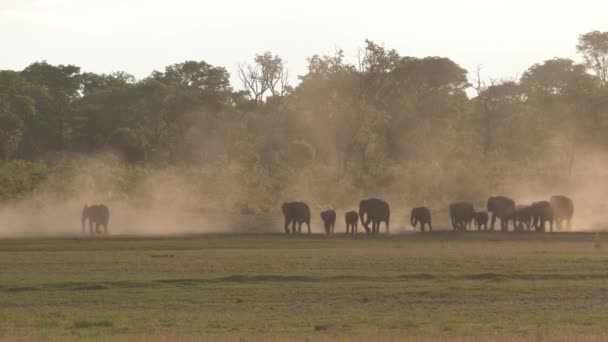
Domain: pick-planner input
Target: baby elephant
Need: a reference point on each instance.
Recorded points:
(329, 220)
(422, 215)
(352, 221)
(481, 220)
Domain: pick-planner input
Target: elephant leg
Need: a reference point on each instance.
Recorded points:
(542, 225)
(91, 228)
(293, 226)
(287, 221)
(355, 227)
(299, 227)
(387, 226)
(308, 226)
(551, 226)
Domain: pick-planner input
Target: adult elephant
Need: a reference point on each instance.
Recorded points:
(542, 213)
(563, 210)
(502, 208)
(329, 220)
(376, 211)
(296, 212)
(461, 215)
(98, 215)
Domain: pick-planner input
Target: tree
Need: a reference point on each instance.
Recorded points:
(62, 84)
(267, 74)
(594, 48)
(11, 132)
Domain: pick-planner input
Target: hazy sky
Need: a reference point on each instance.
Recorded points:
(138, 36)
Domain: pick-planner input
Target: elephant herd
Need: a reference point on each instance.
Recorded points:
(373, 212)
(558, 209)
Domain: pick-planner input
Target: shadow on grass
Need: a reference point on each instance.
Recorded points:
(81, 324)
(244, 279)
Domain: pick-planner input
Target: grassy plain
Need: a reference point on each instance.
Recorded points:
(489, 286)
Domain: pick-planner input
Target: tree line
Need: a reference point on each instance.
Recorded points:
(386, 123)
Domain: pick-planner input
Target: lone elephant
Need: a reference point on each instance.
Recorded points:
(563, 210)
(329, 220)
(352, 221)
(98, 215)
(376, 211)
(422, 215)
(502, 208)
(461, 215)
(296, 212)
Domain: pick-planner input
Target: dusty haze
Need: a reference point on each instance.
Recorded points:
(166, 201)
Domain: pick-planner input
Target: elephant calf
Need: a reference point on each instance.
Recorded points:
(523, 217)
(481, 219)
(352, 221)
(296, 212)
(98, 215)
(329, 220)
(422, 215)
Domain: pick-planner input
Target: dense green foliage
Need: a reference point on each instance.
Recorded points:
(388, 125)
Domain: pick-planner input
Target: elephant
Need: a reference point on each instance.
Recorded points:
(98, 215)
(461, 215)
(523, 217)
(563, 209)
(422, 215)
(541, 213)
(503, 208)
(352, 221)
(376, 211)
(329, 220)
(481, 220)
(296, 212)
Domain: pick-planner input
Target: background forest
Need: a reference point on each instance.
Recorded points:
(416, 131)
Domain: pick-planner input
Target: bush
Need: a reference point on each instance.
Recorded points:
(20, 177)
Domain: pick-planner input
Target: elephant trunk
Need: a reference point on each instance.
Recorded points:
(364, 222)
(413, 220)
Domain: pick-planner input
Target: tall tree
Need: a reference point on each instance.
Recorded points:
(594, 48)
(267, 75)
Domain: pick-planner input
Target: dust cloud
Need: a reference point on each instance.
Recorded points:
(169, 201)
